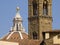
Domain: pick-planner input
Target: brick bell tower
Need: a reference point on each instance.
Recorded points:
(39, 18)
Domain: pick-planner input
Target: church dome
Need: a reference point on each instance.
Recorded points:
(15, 36)
(17, 31)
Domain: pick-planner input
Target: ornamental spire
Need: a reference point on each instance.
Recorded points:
(18, 16)
(17, 22)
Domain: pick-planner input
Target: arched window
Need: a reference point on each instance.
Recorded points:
(35, 11)
(45, 7)
(35, 36)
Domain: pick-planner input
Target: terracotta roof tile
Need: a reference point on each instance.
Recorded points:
(15, 37)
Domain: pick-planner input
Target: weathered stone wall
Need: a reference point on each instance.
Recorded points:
(39, 22)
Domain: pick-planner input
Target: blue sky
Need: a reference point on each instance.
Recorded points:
(8, 11)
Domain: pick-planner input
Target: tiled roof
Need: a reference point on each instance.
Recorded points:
(15, 36)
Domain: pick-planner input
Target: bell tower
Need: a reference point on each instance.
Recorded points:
(39, 18)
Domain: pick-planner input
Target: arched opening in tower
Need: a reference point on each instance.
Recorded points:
(35, 36)
(35, 10)
(45, 7)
